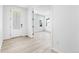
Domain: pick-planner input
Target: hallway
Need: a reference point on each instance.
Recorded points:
(25, 44)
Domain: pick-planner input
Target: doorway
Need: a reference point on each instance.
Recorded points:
(15, 22)
(41, 32)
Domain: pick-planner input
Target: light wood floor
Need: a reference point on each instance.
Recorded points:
(39, 44)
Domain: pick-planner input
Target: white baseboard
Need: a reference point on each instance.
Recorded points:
(1, 41)
(0, 50)
(56, 50)
(15, 37)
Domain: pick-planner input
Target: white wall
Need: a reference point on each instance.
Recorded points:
(30, 29)
(1, 30)
(49, 25)
(8, 26)
(66, 28)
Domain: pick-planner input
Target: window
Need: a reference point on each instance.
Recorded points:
(16, 20)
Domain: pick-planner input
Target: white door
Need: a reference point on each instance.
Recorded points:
(15, 22)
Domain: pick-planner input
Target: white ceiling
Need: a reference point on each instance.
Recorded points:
(44, 7)
(39, 8)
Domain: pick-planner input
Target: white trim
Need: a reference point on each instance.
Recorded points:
(15, 37)
(56, 50)
(1, 41)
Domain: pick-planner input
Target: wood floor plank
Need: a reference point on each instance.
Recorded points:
(39, 44)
